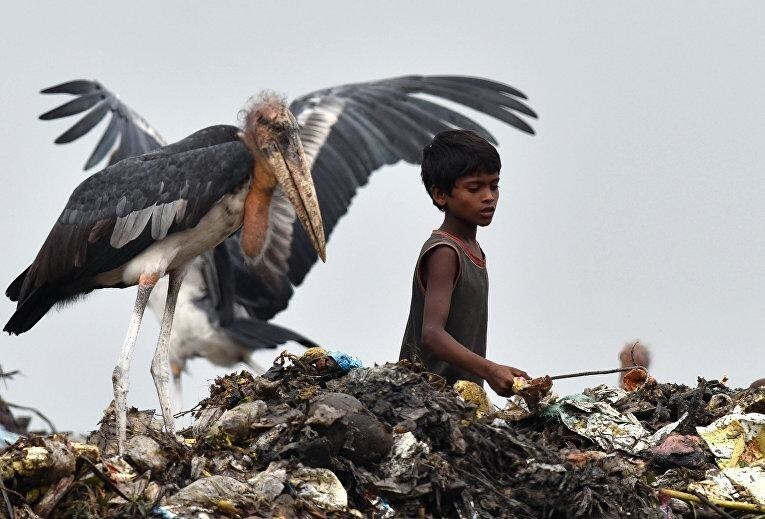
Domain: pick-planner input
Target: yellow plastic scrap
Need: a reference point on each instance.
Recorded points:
(311, 354)
(736, 439)
(308, 392)
(85, 450)
(34, 460)
(227, 507)
(474, 394)
(520, 383)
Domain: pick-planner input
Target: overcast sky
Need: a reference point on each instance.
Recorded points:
(635, 212)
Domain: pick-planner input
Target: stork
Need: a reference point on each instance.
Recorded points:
(151, 215)
(349, 132)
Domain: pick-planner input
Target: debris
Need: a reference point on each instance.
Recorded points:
(320, 486)
(636, 378)
(607, 427)
(679, 451)
(209, 491)
(532, 391)
(7, 437)
(269, 483)
(344, 361)
(233, 426)
(474, 394)
(309, 440)
(736, 438)
(145, 454)
(734, 505)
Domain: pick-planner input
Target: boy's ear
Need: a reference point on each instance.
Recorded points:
(439, 197)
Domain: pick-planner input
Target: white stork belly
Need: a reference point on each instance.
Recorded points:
(181, 247)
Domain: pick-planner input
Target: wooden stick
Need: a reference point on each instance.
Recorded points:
(601, 372)
(734, 505)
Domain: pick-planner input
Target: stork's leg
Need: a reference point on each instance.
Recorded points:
(121, 374)
(160, 364)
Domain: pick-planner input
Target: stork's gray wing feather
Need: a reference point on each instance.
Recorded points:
(349, 132)
(136, 136)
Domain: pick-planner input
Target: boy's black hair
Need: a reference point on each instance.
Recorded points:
(453, 154)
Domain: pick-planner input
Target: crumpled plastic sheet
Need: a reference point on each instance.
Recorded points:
(7, 437)
(210, 490)
(604, 425)
(399, 466)
(735, 439)
(320, 486)
(606, 393)
(269, 483)
(345, 361)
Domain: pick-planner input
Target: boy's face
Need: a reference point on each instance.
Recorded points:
(473, 198)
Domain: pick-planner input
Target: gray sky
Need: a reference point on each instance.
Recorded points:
(636, 212)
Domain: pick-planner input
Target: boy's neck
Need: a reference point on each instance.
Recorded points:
(463, 230)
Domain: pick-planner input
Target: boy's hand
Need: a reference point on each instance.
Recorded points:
(500, 378)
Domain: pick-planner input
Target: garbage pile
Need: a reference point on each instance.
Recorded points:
(320, 436)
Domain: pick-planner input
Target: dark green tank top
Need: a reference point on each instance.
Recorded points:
(468, 312)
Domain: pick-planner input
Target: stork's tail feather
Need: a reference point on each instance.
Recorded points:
(254, 334)
(31, 310)
(14, 289)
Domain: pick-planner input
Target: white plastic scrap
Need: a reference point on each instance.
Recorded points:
(405, 447)
(606, 393)
(751, 479)
(715, 486)
(320, 486)
(210, 490)
(269, 483)
(733, 484)
(607, 427)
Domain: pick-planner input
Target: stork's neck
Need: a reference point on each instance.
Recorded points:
(256, 208)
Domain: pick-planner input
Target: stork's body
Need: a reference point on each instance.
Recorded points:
(177, 250)
(349, 132)
(152, 215)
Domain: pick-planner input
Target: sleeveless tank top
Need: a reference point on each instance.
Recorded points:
(468, 312)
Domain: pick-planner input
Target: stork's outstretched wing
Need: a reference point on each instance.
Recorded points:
(136, 136)
(349, 132)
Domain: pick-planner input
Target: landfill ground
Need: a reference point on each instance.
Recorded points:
(309, 439)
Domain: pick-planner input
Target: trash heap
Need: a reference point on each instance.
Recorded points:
(319, 436)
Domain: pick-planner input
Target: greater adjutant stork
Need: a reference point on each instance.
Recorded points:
(153, 214)
(348, 132)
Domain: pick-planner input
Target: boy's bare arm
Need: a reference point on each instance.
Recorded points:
(441, 267)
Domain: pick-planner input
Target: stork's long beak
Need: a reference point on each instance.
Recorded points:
(290, 167)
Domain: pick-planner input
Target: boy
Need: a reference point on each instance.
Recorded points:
(446, 330)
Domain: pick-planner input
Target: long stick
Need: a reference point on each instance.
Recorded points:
(734, 505)
(601, 372)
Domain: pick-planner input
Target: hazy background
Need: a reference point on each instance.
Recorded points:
(635, 212)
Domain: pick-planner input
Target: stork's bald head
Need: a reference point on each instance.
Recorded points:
(267, 115)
